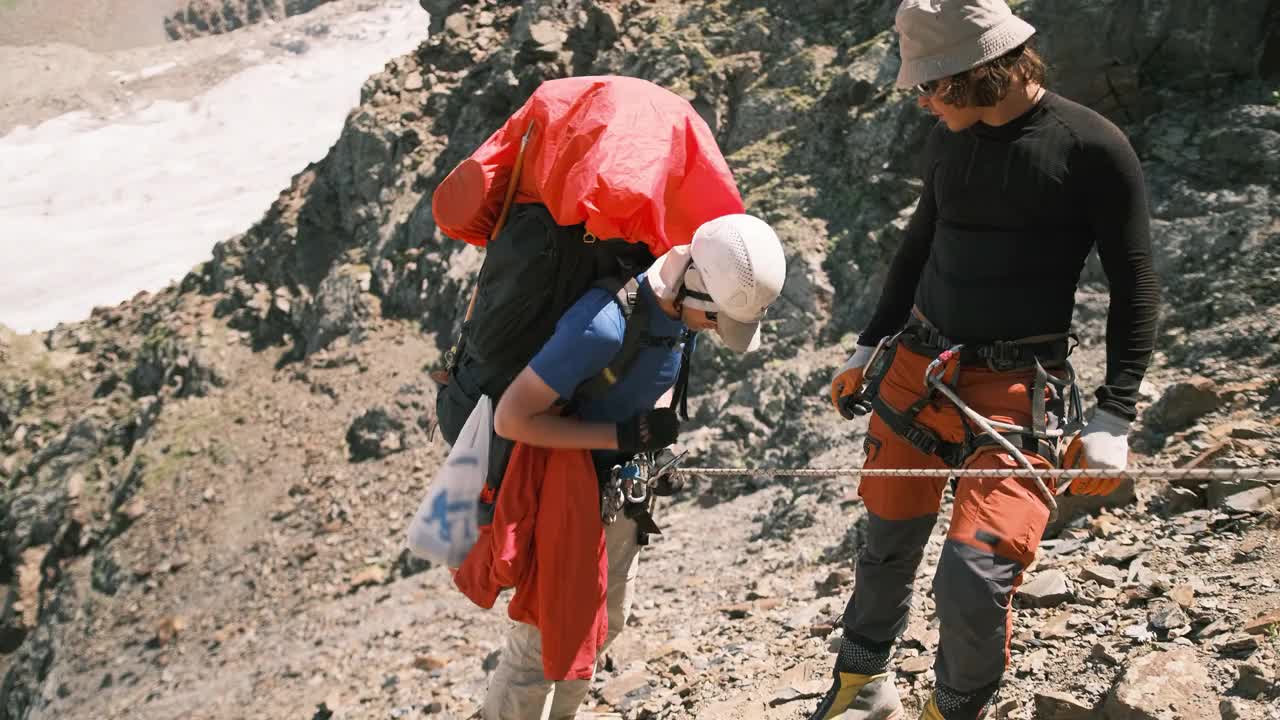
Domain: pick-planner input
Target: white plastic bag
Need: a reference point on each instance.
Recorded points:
(444, 528)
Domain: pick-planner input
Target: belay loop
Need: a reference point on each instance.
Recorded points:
(933, 380)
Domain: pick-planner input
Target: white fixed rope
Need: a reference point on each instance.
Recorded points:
(1269, 474)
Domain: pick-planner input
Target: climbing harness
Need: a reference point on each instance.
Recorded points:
(1062, 416)
(1052, 419)
(995, 430)
(877, 365)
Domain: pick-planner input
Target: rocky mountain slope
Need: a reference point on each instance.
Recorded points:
(205, 490)
(214, 17)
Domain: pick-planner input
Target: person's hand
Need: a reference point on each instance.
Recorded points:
(848, 382)
(1104, 445)
(651, 430)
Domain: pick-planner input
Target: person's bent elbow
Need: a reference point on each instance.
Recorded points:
(506, 422)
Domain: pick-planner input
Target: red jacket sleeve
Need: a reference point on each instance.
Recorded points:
(565, 595)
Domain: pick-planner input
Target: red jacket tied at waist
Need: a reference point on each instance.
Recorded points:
(623, 155)
(547, 541)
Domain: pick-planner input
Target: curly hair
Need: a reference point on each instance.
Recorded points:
(989, 83)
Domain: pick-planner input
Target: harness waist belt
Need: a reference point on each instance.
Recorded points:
(999, 354)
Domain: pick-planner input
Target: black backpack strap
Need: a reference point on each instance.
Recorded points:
(634, 339)
(680, 396)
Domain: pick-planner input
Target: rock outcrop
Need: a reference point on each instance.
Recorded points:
(213, 17)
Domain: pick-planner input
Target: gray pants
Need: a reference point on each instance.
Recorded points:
(973, 591)
(518, 690)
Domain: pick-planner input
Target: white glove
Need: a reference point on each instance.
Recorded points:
(848, 381)
(1105, 441)
(858, 359)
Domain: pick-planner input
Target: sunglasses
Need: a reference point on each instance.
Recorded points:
(705, 298)
(931, 88)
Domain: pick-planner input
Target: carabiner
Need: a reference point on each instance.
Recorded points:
(931, 372)
(637, 492)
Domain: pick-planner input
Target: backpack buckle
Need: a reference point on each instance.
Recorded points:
(589, 238)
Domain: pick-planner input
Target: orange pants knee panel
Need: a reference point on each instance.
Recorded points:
(1004, 516)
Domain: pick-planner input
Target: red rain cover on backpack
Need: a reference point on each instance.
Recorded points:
(623, 155)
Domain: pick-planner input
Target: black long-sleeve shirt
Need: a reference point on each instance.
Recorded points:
(1006, 220)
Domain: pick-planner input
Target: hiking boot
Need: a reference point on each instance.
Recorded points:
(860, 697)
(931, 711)
(947, 704)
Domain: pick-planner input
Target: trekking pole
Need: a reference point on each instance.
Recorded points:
(512, 185)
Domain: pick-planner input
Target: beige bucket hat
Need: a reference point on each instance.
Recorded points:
(939, 38)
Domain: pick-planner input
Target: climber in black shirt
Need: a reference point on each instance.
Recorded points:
(1020, 185)
(1008, 215)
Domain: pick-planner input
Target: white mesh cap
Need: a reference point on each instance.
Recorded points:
(742, 265)
(940, 38)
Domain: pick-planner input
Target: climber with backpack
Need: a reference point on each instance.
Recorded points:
(622, 236)
(723, 282)
(964, 363)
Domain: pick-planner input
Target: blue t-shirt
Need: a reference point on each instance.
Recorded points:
(585, 341)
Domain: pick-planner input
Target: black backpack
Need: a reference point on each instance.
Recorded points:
(533, 271)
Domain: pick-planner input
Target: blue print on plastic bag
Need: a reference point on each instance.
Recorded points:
(447, 513)
(446, 524)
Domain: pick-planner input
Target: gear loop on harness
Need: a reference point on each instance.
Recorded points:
(863, 401)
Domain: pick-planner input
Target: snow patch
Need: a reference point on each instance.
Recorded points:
(92, 212)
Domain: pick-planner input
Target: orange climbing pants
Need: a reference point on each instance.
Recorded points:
(995, 526)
